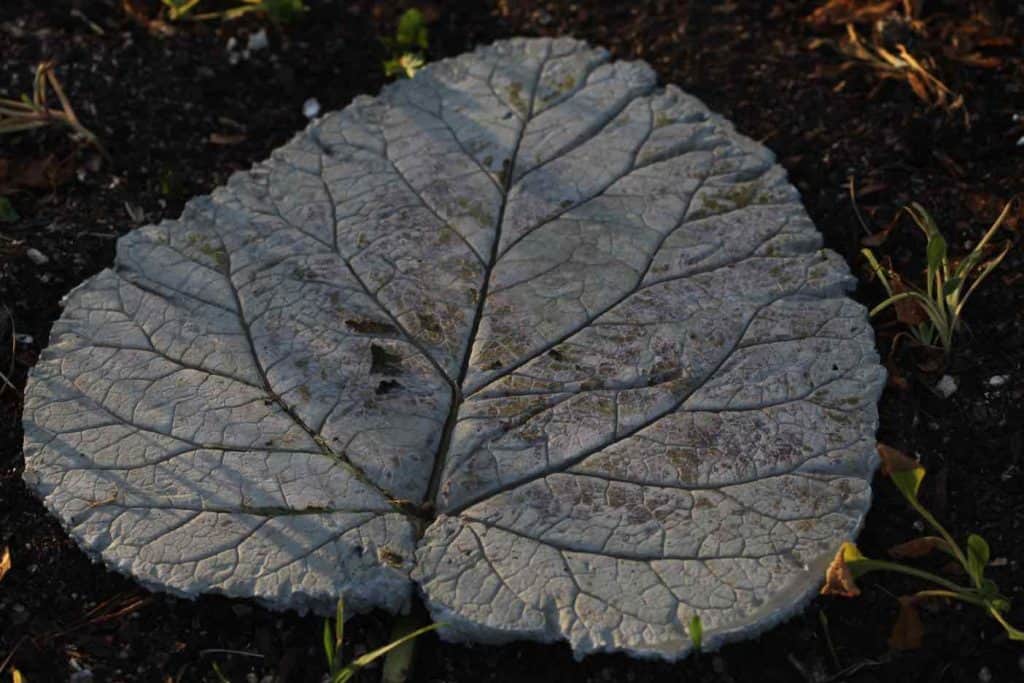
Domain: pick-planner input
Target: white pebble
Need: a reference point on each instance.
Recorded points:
(311, 108)
(37, 257)
(258, 41)
(984, 674)
(998, 380)
(946, 386)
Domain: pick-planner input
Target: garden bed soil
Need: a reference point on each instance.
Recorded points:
(178, 114)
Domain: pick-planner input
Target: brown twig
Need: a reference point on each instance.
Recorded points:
(5, 380)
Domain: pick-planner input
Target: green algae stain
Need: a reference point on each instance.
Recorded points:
(217, 254)
(515, 96)
(476, 211)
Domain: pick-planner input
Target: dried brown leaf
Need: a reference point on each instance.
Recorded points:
(896, 380)
(917, 547)
(44, 173)
(908, 311)
(930, 360)
(908, 631)
(839, 578)
(894, 460)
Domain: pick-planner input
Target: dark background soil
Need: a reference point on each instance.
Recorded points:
(156, 101)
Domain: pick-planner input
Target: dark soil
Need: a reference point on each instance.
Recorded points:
(165, 106)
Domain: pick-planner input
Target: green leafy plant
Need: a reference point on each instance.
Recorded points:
(280, 11)
(934, 311)
(411, 39)
(850, 564)
(334, 639)
(28, 113)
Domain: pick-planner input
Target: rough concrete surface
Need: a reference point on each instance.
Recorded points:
(555, 347)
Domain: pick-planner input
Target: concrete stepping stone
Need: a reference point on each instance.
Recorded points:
(552, 346)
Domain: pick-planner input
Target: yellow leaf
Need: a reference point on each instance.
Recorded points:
(838, 577)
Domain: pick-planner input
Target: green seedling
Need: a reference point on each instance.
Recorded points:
(934, 311)
(279, 11)
(334, 639)
(7, 211)
(411, 39)
(33, 112)
(696, 631)
(850, 564)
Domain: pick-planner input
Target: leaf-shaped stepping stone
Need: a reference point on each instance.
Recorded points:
(558, 347)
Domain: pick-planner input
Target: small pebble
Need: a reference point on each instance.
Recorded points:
(37, 257)
(984, 674)
(311, 108)
(998, 380)
(258, 41)
(20, 614)
(946, 386)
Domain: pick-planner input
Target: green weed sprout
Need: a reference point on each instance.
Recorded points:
(334, 638)
(850, 564)
(280, 11)
(411, 38)
(696, 631)
(934, 311)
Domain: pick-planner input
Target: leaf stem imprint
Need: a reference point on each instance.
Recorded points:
(453, 412)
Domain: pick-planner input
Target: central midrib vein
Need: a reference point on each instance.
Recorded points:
(441, 458)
